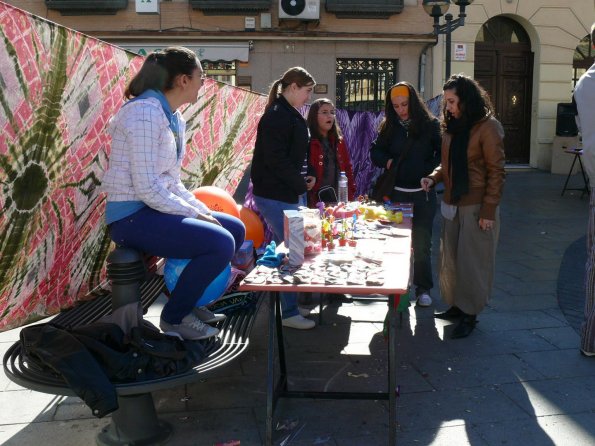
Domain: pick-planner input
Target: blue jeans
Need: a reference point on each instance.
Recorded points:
(272, 211)
(210, 247)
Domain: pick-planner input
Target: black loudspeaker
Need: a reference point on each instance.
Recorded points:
(565, 122)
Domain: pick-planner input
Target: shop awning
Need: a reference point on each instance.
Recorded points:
(211, 51)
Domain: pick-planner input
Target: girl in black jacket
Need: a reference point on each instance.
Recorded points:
(409, 141)
(277, 173)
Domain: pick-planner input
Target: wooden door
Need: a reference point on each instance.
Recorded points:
(506, 72)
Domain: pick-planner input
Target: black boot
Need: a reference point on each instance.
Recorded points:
(464, 327)
(451, 313)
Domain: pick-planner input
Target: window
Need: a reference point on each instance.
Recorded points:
(220, 71)
(362, 83)
(583, 58)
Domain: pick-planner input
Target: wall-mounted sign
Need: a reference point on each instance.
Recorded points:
(460, 51)
(214, 52)
(147, 6)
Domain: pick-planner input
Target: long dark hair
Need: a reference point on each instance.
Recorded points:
(312, 119)
(474, 101)
(296, 74)
(419, 114)
(160, 70)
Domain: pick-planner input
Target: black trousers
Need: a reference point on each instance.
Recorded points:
(424, 210)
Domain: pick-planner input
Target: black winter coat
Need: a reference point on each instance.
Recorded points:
(280, 153)
(421, 158)
(91, 358)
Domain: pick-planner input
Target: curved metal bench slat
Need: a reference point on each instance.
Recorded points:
(233, 341)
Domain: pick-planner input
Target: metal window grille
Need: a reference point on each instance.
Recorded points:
(221, 71)
(362, 83)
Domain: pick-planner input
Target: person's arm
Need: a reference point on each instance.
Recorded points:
(379, 152)
(492, 147)
(153, 154)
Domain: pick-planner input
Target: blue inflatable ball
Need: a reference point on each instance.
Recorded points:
(174, 267)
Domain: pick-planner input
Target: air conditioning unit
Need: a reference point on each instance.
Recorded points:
(299, 9)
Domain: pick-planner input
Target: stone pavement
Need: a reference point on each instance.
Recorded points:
(517, 380)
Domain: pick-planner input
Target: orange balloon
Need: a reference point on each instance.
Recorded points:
(254, 226)
(217, 199)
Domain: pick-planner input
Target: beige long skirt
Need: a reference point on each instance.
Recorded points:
(467, 260)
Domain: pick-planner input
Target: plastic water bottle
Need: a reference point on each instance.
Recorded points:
(343, 196)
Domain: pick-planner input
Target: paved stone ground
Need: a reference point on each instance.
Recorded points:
(517, 380)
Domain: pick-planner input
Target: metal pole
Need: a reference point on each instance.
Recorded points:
(448, 18)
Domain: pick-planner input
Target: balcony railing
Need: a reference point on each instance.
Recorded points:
(87, 7)
(378, 9)
(228, 7)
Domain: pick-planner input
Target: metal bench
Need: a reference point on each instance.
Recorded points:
(135, 422)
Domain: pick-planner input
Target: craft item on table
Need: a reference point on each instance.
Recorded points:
(293, 232)
(244, 256)
(354, 279)
(312, 231)
(373, 253)
(255, 279)
(320, 207)
(271, 258)
(340, 256)
(346, 210)
(375, 280)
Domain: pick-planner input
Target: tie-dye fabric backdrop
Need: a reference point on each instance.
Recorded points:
(58, 89)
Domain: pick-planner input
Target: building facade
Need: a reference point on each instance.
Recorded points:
(522, 51)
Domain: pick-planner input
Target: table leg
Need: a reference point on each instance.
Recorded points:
(393, 303)
(271, 368)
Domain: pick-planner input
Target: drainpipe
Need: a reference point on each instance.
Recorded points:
(422, 67)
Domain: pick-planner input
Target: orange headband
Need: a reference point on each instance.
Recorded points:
(399, 90)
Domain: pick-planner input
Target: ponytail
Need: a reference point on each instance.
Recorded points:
(273, 93)
(297, 75)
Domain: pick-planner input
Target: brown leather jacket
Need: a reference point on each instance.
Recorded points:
(485, 160)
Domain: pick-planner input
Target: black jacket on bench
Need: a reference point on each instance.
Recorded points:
(91, 358)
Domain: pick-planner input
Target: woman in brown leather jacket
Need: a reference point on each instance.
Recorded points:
(472, 170)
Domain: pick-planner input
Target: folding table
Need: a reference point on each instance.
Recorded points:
(396, 268)
(577, 152)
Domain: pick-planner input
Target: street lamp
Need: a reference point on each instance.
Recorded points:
(437, 9)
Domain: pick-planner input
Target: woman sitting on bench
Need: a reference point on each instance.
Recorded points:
(148, 207)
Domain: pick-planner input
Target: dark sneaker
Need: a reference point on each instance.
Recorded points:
(191, 328)
(207, 316)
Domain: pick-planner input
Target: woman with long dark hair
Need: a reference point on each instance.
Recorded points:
(409, 141)
(472, 170)
(148, 207)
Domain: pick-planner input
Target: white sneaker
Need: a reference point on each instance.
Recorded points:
(305, 311)
(424, 300)
(191, 328)
(207, 316)
(299, 322)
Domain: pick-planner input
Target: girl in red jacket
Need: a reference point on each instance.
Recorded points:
(328, 155)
